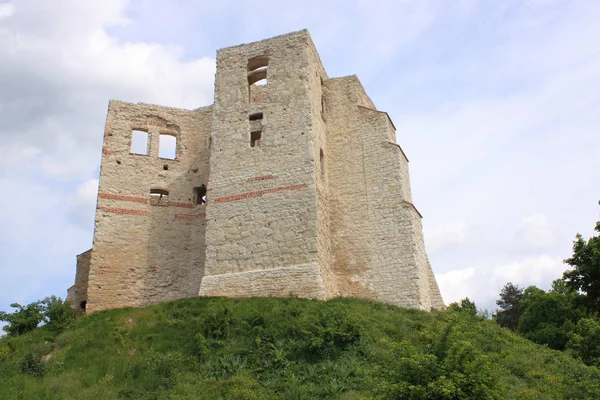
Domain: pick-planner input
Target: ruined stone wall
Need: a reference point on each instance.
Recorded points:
(378, 250)
(77, 294)
(262, 213)
(149, 249)
(307, 193)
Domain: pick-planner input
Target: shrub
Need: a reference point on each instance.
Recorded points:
(33, 365)
(58, 313)
(584, 341)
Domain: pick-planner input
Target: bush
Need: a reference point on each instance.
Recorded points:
(33, 365)
(58, 313)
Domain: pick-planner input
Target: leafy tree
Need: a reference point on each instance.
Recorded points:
(585, 275)
(24, 319)
(510, 297)
(584, 341)
(547, 318)
(53, 311)
(466, 307)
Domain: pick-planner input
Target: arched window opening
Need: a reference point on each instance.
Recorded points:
(200, 195)
(139, 142)
(167, 147)
(159, 196)
(257, 76)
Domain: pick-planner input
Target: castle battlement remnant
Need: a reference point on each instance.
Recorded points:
(291, 183)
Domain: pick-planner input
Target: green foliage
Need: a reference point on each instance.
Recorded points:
(584, 341)
(58, 313)
(585, 275)
(547, 318)
(53, 311)
(466, 307)
(32, 365)
(267, 348)
(510, 297)
(24, 319)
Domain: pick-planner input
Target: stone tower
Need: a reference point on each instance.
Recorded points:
(290, 183)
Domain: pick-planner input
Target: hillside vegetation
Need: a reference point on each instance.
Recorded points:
(267, 348)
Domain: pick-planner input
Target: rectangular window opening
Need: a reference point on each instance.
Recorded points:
(139, 142)
(200, 195)
(256, 128)
(255, 139)
(256, 116)
(167, 147)
(159, 196)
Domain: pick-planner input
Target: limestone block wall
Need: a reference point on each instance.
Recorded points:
(77, 293)
(149, 248)
(377, 242)
(262, 212)
(317, 79)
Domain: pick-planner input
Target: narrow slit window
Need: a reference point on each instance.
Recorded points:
(167, 147)
(322, 163)
(200, 195)
(139, 142)
(322, 102)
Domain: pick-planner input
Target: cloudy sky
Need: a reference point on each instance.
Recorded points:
(497, 105)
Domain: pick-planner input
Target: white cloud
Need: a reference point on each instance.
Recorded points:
(6, 10)
(535, 232)
(451, 234)
(60, 67)
(81, 204)
(483, 284)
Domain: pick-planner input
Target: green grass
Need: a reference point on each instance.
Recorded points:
(267, 348)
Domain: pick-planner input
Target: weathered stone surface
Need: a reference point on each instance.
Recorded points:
(307, 193)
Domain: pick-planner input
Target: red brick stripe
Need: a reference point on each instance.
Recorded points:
(258, 193)
(180, 204)
(122, 197)
(143, 200)
(190, 216)
(156, 123)
(260, 178)
(125, 211)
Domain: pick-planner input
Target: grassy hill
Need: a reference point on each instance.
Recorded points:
(267, 348)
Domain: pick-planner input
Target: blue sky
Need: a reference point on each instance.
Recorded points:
(496, 104)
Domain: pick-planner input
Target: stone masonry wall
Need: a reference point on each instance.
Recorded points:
(149, 249)
(262, 212)
(77, 294)
(378, 249)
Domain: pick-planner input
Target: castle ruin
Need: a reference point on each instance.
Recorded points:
(291, 183)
